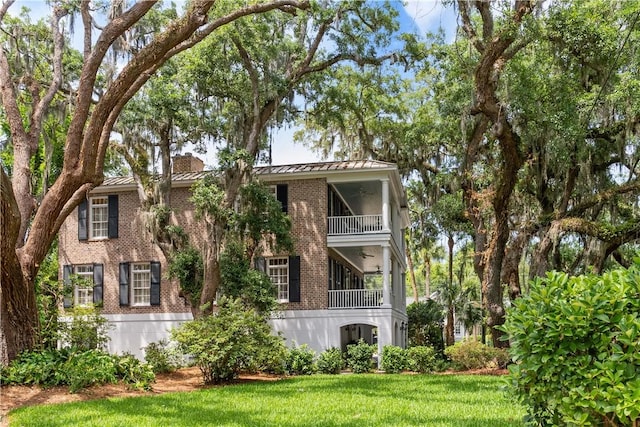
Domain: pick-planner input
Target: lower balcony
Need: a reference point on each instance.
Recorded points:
(355, 298)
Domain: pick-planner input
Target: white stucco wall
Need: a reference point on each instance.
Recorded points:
(131, 332)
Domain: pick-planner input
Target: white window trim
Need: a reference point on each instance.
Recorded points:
(105, 205)
(133, 273)
(275, 266)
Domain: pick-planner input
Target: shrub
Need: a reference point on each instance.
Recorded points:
(425, 324)
(300, 361)
(133, 372)
(36, 367)
(360, 357)
(394, 359)
(225, 343)
(472, 354)
(88, 368)
(421, 359)
(77, 369)
(575, 342)
(330, 361)
(86, 329)
(162, 357)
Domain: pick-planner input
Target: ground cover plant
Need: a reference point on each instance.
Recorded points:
(319, 400)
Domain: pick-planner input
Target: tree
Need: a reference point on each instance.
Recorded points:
(87, 138)
(274, 58)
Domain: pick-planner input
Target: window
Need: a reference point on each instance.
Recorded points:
(278, 271)
(99, 218)
(141, 283)
(457, 328)
(83, 284)
(83, 289)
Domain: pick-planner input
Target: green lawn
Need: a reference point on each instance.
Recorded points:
(342, 400)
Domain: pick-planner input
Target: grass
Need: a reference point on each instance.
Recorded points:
(320, 400)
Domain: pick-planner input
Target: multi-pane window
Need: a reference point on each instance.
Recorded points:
(457, 328)
(278, 271)
(83, 289)
(141, 283)
(99, 217)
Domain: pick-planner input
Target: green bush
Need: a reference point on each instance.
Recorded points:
(227, 342)
(330, 361)
(89, 367)
(86, 329)
(394, 359)
(421, 359)
(132, 371)
(300, 361)
(472, 354)
(36, 367)
(77, 369)
(575, 342)
(360, 357)
(426, 323)
(162, 357)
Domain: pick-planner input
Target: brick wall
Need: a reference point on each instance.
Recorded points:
(133, 244)
(187, 163)
(307, 200)
(307, 208)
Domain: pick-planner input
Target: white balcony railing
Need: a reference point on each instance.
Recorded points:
(355, 224)
(355, 298)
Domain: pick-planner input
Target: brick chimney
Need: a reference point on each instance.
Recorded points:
(187, 163)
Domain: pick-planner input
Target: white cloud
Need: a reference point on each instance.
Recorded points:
(430, 15)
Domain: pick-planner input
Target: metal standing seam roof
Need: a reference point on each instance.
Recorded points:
(270, 170)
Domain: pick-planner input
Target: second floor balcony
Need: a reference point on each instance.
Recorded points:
(354, 224)
(355, 298)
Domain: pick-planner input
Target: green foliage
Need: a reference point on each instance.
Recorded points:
(472, 354)
(421, 359)
(394, 359)
(86, 329)
(132, 371)
(186, 265)
(330, 361)
(77, 369)
(300, 361)
(89, 367)
(162, 357)
(239, 280)
(36, 367)
(360, 357)
(425, 324)
(575, 342)
(225, 343)
(48, 294)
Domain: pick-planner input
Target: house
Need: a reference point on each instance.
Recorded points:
(344, 281)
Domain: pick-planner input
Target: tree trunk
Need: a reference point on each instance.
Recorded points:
(449, 332)
(18, 312)
(427, 274)
(412, 274)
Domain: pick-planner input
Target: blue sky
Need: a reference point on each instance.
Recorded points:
(417, 16)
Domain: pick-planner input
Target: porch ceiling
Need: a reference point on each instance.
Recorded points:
(366, 258)
(364, 198)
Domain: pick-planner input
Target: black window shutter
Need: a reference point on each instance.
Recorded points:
(67, 271)
(260, 264)
(124, 283)
(282, 196)
(82, 220)
(98, 278)
(294, 279)
(113, 216)
(154, 298)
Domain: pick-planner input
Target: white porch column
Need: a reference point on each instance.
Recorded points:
(386, 225)
(386, 269)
